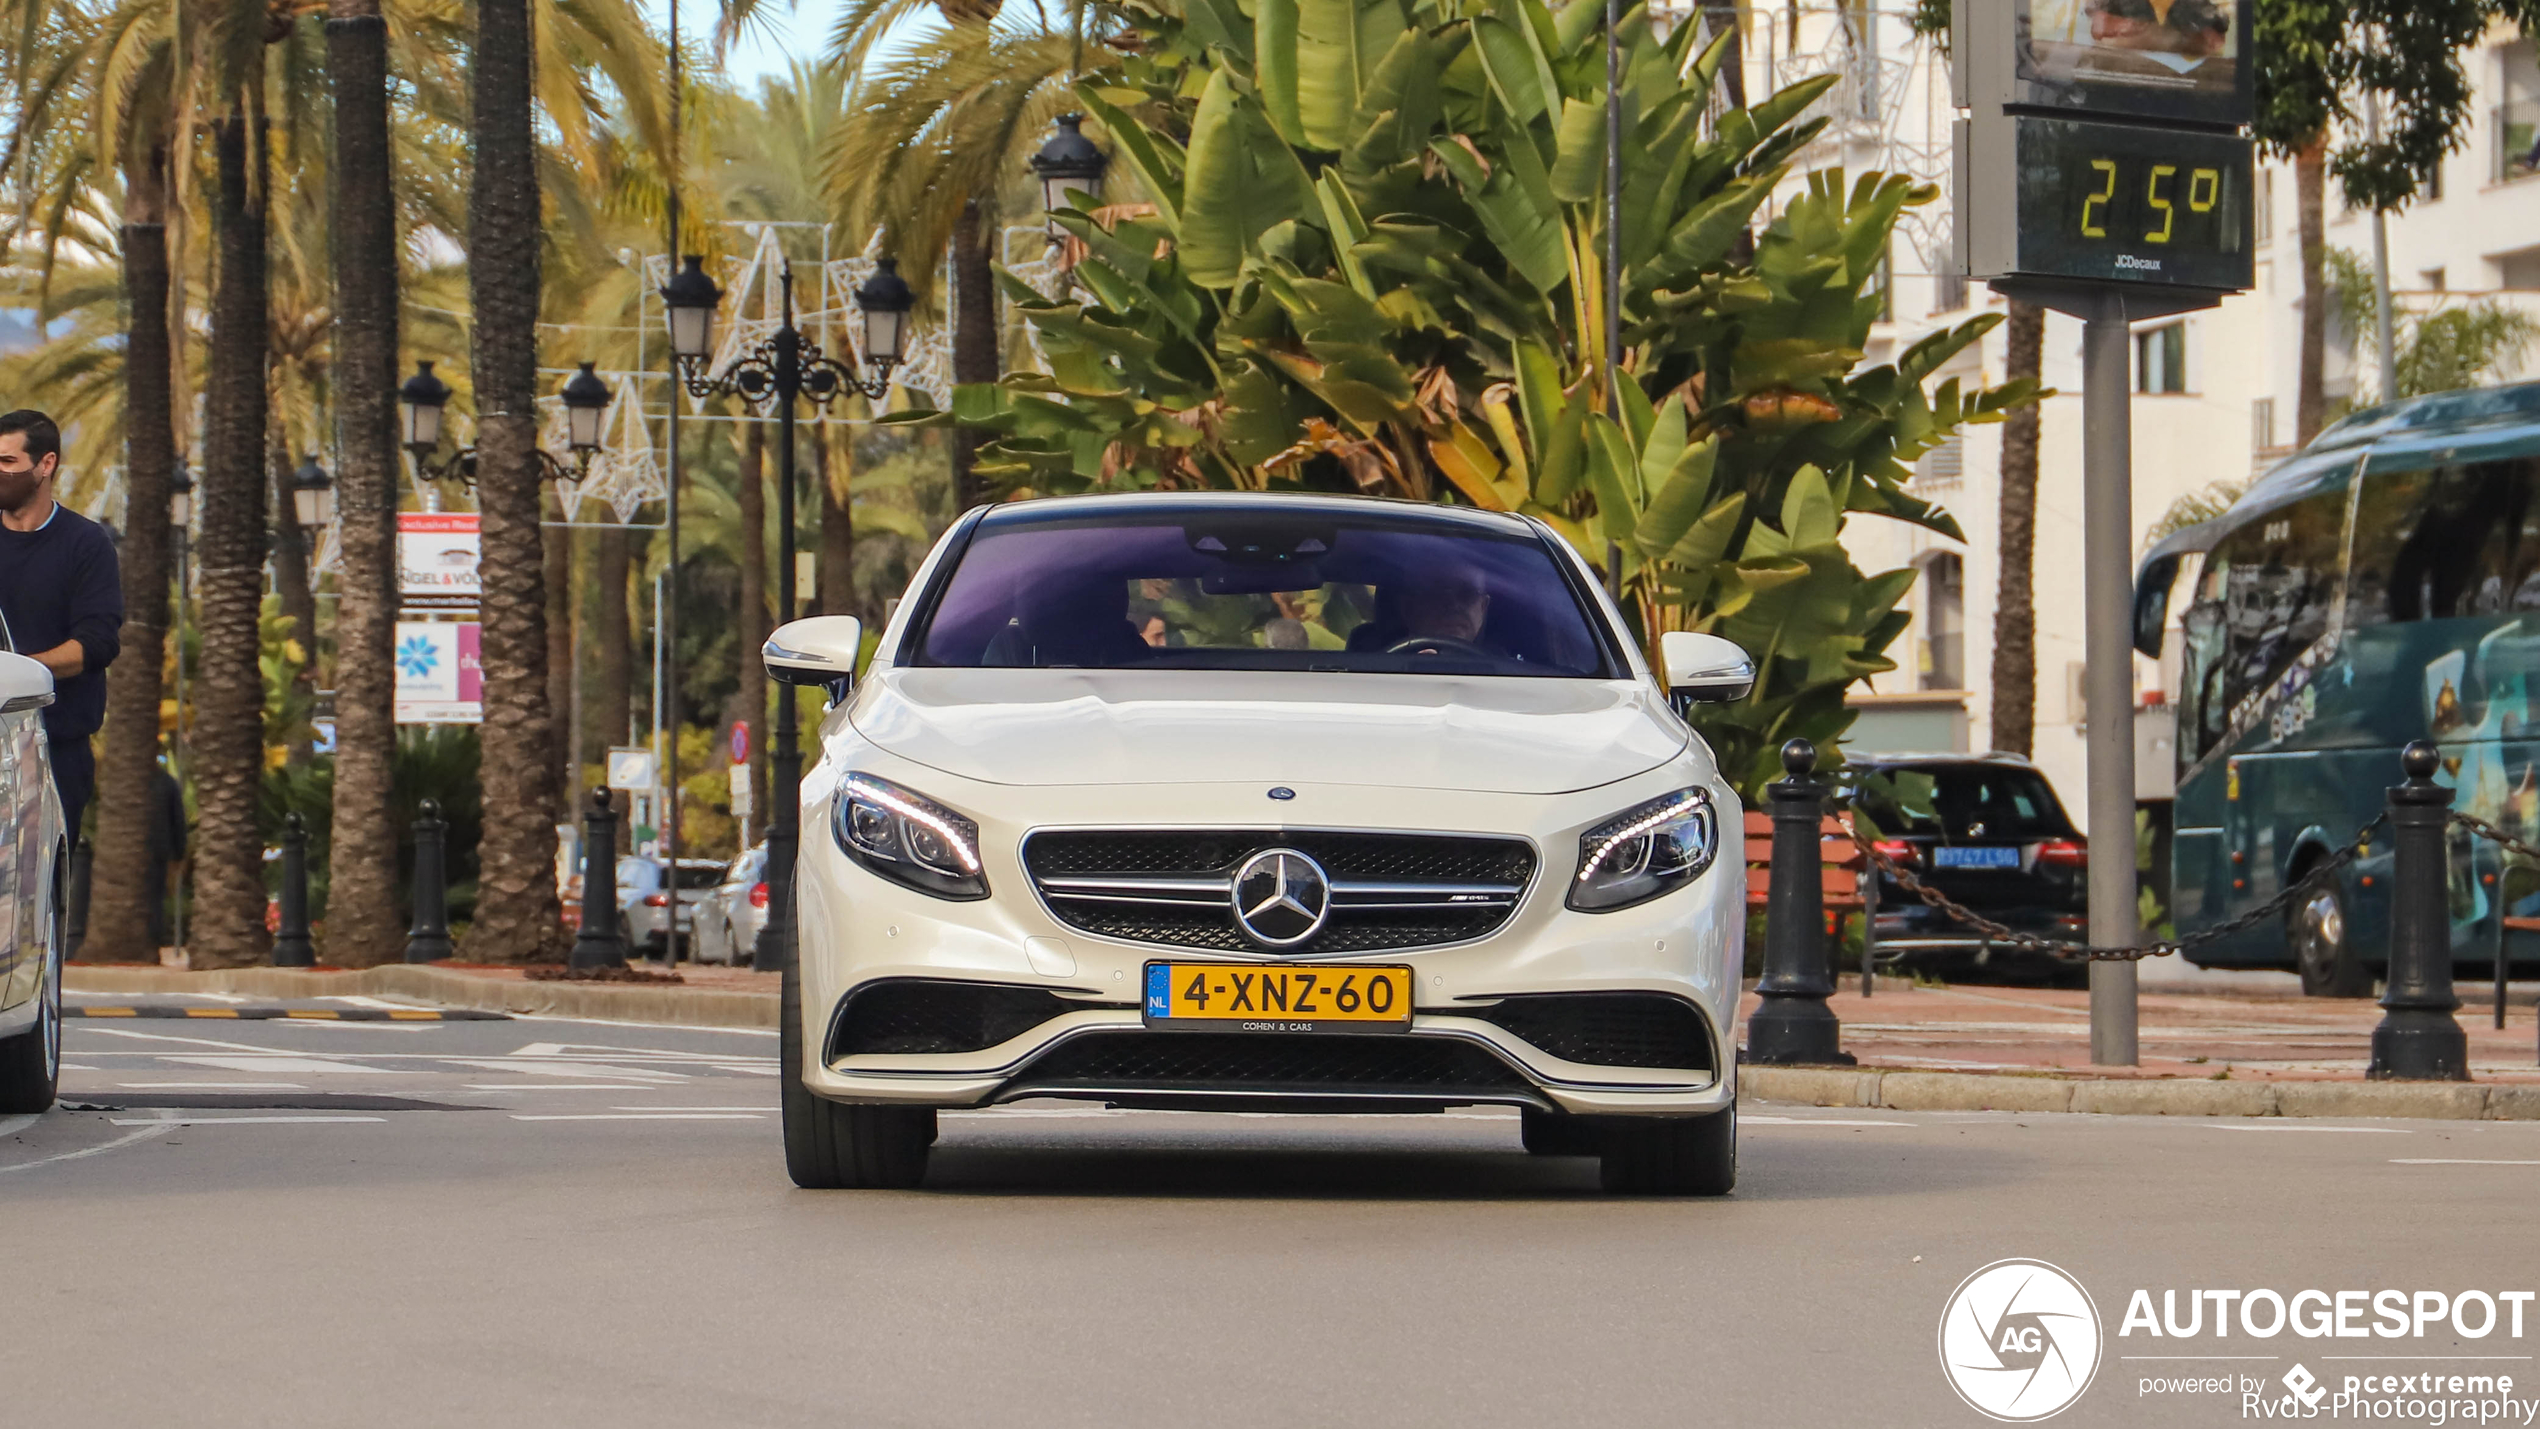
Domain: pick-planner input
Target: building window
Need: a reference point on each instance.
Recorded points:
(2430, 181)
(1942, 467)
(2266, 207)
(2160, 358)
(2518, 116)
(1944, 643)
(2433, 279)
(2262, 424)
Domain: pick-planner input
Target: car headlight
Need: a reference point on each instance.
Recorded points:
(1645, 851)
(908, 838)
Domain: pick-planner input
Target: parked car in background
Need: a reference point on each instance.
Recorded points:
(1992, 836)
(645, 903)
(729, 920)
(34, 853)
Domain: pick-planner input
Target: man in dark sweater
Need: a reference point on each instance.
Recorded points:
(62, 596)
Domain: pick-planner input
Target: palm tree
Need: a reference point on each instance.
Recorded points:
(2014, 605)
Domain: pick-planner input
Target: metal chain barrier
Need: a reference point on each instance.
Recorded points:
(2489, 831)
(2318, 874)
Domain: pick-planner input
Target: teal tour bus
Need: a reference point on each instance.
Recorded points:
(2380, 586)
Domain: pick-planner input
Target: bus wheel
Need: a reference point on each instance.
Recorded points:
(2321, 951)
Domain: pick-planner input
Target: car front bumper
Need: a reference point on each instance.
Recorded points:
(856, 928)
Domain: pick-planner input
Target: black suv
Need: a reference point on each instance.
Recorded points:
(1990, 834)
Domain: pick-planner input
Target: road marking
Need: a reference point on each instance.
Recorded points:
(147, 1129)
(2199, 1357)
(1812, 1121)
(213, 1086)
(642, 1116)
(2452, 1161)
(16, 1124)
(238, 1120)
(2300, 1126)
(286, 1062)
(291, 1014)
(559, 1087)
(694, 1108)
(587, 1071)
(753, 1071)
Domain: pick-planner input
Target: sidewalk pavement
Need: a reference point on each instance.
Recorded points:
(2213, 1044)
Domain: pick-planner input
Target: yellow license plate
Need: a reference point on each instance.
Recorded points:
(1235, 997)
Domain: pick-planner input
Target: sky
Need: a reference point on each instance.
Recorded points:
(768, 49)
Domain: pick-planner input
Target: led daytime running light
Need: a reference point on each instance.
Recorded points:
(1689, 801)
(953, 838)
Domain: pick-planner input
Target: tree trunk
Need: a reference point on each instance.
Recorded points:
(2014, 602)
(751, 695)
(615, 715)
(974, 354)
(2310, 190)
(291, 579)
(517, 914)
(557, 547)
(125, 881)
(229, 885)
(362, 926)
(837, 528)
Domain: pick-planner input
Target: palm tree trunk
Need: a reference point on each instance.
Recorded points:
(291, 577)
(616, 710)
(751, 696)
(517, 915)
(837, 529)
(558, 549)
(974, 355)
(2310, 192)
(2014, 603)
(125, 882)
(362, 926)
(229, 884)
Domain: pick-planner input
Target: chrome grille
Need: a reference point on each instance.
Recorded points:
(1173, 887)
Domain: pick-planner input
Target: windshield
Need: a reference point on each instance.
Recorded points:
(1261, 590)
(1975, 802)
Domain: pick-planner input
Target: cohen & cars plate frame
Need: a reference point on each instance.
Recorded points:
(1152, 996)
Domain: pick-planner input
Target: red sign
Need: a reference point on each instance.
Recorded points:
(740, 741)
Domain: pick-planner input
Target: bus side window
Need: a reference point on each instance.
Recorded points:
(2272, 583)
(2445, 542)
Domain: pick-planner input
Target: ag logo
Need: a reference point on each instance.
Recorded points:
(2019, 1340)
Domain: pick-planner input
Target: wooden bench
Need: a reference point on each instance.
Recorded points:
(1843, 859)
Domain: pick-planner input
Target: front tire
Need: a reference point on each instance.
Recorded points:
(1671, 1156)
(2323, 952)
(1552, 1133)
(31, 1062)
(831, 1146)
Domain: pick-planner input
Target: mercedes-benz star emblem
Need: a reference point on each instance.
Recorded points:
(1281, 897)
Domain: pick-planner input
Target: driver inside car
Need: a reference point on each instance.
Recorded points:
(1451, 606)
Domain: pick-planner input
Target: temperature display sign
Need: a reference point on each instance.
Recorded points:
(2119, 202)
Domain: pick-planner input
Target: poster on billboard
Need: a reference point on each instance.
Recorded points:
(439, 679)
(436, 559)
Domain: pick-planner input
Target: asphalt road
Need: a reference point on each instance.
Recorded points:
(561, 1223)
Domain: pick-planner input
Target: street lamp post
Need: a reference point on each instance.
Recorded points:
(180, 518)
(312, 497)
(777, 371)
(422, 397)
(1068, 162)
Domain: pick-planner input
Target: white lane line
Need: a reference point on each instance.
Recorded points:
(644, 1026)
(1811, 1121)
(2304, 1126)
(759, 1108)
(144, 1131)
(212, 1086)
(753, 1071)
(560, 1087)
(2453, 1161)
(286, 1063)
(79, 1067)
(239, 1120)
(642, 1116)
(539, 1067)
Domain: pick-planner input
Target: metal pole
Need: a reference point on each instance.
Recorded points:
(428, 939)
(2386, 346)
(291, 945)
(176, 749)
(1793, 1025)
(775, 948)
(1614, 231)
(670, 618)
(599, 944)
(2418, 1038)
(2107, 504)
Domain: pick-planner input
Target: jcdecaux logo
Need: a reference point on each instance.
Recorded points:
(2021, 1341)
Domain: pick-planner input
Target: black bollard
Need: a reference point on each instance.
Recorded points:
(429, 939)
(291, 945)
(2419, 1039)
(1794, 1026)
(599, 944)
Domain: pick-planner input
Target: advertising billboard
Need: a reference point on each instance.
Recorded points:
(436, 559)
(439, 677)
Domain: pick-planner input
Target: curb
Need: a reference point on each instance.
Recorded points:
(421, 982)
(1974, 1091)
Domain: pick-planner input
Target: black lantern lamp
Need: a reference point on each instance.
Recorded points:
(885, 300)
(181, 495)
(312, 495)
(586, 408)
(1067, 163)
(419, 404)
(690, 299)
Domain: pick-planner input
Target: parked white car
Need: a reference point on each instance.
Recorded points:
(730, 917)
(1263, 802)
(34, 860)
(645, 905)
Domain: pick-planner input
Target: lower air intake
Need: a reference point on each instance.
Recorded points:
(1307, 1064)
(1608, 1029)
(922, 1015)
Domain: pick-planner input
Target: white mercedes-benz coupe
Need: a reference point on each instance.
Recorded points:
(1263, 802)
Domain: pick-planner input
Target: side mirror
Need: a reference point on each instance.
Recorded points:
(820, 650)
(1705, 668)
(24, 684)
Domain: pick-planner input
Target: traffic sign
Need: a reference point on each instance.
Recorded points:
(633, 769)
(740, 741)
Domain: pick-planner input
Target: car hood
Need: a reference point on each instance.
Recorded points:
(1515, 736)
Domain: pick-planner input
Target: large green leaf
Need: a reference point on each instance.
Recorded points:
(1243, 182)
